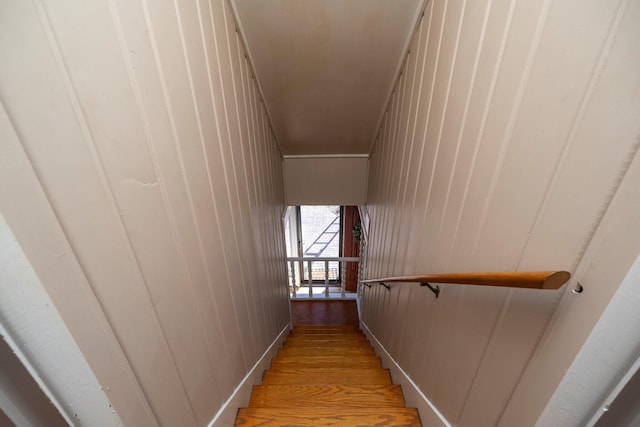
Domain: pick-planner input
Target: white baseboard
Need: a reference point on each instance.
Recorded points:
(413, 396)
(226, 416)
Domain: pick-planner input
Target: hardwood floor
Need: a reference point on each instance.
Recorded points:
(324, 313)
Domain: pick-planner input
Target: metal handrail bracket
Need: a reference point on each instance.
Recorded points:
(435, 289)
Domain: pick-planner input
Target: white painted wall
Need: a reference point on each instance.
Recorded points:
(139, 174)
(508, 144)
(612, 347)
(44, 380)
(326, 180)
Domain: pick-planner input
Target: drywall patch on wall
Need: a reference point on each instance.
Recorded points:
(34, 330)
(326, 180)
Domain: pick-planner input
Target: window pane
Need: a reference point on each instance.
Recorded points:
(321, 238)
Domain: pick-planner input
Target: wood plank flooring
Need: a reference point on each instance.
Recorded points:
(324, 313)
(327, 376)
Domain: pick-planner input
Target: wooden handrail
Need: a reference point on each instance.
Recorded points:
(529, 280)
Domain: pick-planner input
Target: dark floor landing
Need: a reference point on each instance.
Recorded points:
(324, 313)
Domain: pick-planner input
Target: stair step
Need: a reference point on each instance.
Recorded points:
(343, 417)
(326, 362)
(334, 396)
(327, 376)
(327, 337)
(325, 329)
(325, 343)
(325, 332)
(326, 351)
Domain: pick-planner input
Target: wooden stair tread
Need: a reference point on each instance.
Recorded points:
(337, 417)
(290, 396)
(325, 344)
(327, 376)
(326, 362)
(324, 332)
(328, 337)
(325, 351)
(325, 329)
(330, 358)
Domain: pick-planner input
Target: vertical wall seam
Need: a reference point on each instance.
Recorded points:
(393, 148)
(494, 333)
(387, 135)
(144, 121)
(256, 143)
(252, 69)
(203, 145)
(401, 150)
(497, 172)
(420, 63)
(99, 168)
(257, 168)
(445, 111)
(502, 154)
(226, 170)
(577, 121)
(585, 262)
(245, 140)
(250, 142)
(415, 126)
(261, 161)
(416, 21)
(483, 123)
(401, 168)
(235, 98)
(244, 133)
(421, 44)
(477, 146)
(102, 316)
(174, 133)
(253, 137)
(464, 119)
(427, 117)
(208, 167)
(435, 155)
(229, 142)
(377, 213)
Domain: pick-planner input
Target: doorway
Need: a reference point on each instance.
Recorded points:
(318, 238)
(321, 237)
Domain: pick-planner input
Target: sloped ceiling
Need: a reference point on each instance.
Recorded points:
(326, 67)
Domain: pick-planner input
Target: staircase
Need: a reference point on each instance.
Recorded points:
(327, 376)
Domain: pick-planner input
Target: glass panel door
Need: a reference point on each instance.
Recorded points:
(321, 237)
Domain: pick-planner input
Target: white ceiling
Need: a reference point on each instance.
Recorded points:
(326, 67)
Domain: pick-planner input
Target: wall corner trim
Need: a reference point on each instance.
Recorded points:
(413, 396)
(226, 415)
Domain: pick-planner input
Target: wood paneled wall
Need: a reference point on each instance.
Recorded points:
(508, 134)
(140, 175)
